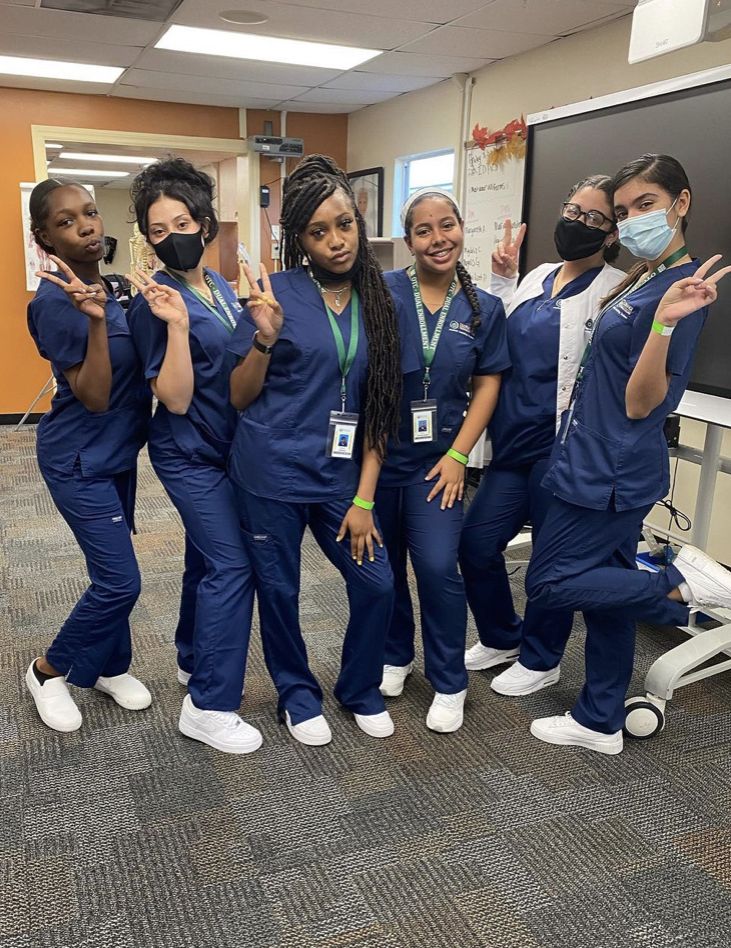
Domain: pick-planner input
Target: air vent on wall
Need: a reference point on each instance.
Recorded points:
(156, 11)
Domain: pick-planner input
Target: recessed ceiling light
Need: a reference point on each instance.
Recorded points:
(85, 173)
(116, 159)
(270, 49)
(243, 17)
(55, 69)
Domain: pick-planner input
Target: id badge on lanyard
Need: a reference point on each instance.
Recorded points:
(424, 411)
(341, 434)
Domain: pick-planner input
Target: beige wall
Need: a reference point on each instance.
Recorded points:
(113, 204)
(582, 66)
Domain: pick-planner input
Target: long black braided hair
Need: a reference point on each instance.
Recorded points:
(463, 274)
(313, 181)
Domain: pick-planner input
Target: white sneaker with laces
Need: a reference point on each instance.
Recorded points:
(53, 702)
(126, 690)
(482, 656)
(223, 730)
(519, 680)
(563, 729)
(394, 679)
(708, 581)
(315, 732)
(446, 713)
(184, 677)
(375, 725)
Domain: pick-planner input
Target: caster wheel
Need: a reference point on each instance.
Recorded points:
(643, 720)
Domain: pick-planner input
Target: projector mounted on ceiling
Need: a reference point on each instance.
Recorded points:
(661, 26)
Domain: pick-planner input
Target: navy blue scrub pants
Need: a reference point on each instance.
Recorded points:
(95, 639)
(217, 597)
(505, 501)
(430, 536)
(585, 560)
(274, 533)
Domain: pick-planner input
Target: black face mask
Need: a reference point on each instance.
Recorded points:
(329, 276)
(180, 251)
(574, 240)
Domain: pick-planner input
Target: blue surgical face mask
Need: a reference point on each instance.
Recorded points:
(647, 235)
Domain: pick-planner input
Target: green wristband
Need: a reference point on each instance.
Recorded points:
(363, 504)
(462, 458)
(661, 329)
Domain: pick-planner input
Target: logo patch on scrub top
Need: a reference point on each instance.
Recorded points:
(463, 328)
(624, 309)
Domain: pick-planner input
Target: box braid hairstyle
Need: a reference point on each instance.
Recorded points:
(463, 274)
(314, 180)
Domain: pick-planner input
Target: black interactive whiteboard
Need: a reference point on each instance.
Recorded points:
(693, 125)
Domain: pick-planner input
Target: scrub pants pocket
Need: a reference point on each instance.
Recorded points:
(95, 639)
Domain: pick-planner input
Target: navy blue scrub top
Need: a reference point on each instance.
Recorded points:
(459, 355)
(205, 432)
(102, 443)
(523, 427)
(607, 458)
(279, 451)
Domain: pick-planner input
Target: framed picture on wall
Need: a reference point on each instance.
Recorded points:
(368, 189)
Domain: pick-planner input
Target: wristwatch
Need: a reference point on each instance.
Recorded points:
(267, 350)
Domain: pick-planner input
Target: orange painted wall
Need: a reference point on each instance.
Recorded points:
(22, 371)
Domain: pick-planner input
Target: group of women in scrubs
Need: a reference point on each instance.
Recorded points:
(348, 403)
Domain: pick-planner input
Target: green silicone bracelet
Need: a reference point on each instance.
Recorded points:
(661, 329)
(462, 458)
(363, 504)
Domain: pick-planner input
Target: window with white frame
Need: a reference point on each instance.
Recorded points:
(433, 169)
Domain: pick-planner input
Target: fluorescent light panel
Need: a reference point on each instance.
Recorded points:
(53, 145)
(270, 49)
(86, 173)
(116, 159)
(55, 69)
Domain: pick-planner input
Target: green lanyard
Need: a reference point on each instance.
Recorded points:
(663, 265)
(226, 318)
(429, 346)
(345, 360)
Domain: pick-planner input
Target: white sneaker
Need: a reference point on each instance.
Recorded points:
(562, 729)
(394, 678)
(184, 677)
(126, 690)
(484, 656)
(375, 725)
(314, 731)
(708, 581)
(446, 712)
(223, 730)
(519, 680)
(53, 701)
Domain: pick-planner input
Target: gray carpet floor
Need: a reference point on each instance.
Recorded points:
(127, 835)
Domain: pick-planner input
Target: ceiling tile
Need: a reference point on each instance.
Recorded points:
(163, 60)
(409, 63)
(193, 98)
(383, 83)
(326, 26)
(425, 11)
(340, 96)
(322, 108)
(93, 29)
(67, 50)
(147, 79)
(536, 16)
(490, 44)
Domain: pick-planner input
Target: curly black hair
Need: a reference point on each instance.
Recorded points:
(175, 178)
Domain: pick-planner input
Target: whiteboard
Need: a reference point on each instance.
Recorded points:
(493, 191)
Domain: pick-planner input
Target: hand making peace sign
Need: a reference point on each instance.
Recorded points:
(165, 301)
(265, 310)
(89, 299)
(689, 295)
(506, 254)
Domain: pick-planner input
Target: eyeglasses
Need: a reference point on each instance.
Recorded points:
(572, 212)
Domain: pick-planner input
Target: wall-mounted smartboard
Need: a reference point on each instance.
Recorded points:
(693, 125)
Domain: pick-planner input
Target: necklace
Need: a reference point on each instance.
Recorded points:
(336, 292)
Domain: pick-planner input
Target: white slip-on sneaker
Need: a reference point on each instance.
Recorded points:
(126, 690)
(394, 678)
(53, 701)
(708, 581)
(184, 678)
(223, 730)
(482, 656)
(446, 713)
(375, 725)
(563, 729)
(315, 732)
(519, 680)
